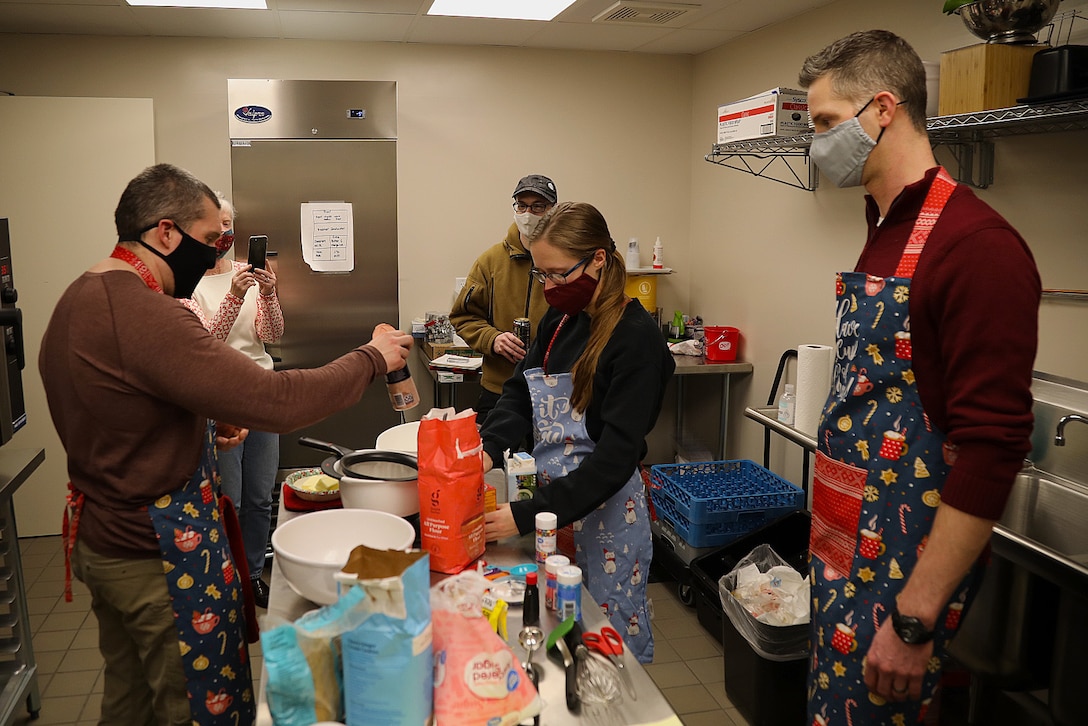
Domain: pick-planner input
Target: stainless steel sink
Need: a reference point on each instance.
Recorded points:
(1045, 528)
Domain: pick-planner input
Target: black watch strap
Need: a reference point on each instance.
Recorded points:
(910, 630)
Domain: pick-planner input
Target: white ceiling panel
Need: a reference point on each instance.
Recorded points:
(689, 41)
(709, 25)
(579, 36)
(208, 22)
(391, 7)
(748, 15)
(372, 27)
(442, 30)
(68, 19)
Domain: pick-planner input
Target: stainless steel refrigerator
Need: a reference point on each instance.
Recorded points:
(303, 142)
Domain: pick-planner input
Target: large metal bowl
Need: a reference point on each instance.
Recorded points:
(1008, 21)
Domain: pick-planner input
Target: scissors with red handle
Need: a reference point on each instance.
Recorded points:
(609, 644)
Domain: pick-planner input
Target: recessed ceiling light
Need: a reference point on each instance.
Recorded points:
(504, 9)
(237, 4)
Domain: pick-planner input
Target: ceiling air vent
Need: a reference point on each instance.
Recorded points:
(645, 13)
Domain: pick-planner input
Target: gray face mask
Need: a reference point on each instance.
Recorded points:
(841, 152)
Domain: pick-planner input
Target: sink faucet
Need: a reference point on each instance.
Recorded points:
(1059, 435)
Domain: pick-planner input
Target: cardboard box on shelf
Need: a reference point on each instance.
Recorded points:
(434, 350)
(777, 112)
(984, 76)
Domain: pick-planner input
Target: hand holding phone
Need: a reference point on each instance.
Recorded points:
(258, 249)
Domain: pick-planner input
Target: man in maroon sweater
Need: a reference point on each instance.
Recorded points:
(929, 415)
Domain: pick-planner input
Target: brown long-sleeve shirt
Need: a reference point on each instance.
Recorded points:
(131, 378)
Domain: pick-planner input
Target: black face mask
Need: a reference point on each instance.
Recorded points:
(189, 260)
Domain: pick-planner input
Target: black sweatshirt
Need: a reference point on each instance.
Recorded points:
(633, 370)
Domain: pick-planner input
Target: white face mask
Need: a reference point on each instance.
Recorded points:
(527, 223)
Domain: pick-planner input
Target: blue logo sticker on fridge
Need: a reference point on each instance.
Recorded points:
(253, 114)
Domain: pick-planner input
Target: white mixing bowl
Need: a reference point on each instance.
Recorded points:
(313, 547)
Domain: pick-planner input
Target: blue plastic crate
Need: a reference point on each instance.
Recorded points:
(714, 492)
(714, 534)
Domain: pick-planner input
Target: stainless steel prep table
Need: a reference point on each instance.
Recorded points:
(687, 365)
(650, 708)
(18, 671)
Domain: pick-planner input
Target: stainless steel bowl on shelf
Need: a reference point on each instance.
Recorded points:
(1008, 21)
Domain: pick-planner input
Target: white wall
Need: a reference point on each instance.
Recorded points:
(609, 128)
(767, 254)
(64, 162)
(626, 132)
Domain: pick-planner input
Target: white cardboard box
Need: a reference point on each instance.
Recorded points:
(777, 112)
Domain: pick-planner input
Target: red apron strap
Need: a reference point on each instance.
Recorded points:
(73, 508)
(939, 192)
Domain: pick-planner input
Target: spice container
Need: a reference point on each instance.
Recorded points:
(546, 525)
(402, 389)
(569, 592)
(552, 565)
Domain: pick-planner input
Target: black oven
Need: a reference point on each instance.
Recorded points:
(12, 404)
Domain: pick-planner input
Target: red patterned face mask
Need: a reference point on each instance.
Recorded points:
(224, 243)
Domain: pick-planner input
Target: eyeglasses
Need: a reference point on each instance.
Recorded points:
(556, 278)
(535, 207)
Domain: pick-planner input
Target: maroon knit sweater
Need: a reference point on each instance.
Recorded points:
(974, 307)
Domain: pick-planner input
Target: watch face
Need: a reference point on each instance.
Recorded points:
(910, 630)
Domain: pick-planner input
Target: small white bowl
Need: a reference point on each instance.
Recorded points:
(313, 547)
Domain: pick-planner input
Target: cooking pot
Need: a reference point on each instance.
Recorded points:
(372, 479)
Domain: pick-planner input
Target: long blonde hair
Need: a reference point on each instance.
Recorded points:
(578, 229)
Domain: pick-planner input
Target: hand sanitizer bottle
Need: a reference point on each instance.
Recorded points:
(787, 406)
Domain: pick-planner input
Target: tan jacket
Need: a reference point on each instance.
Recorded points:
(497, 290)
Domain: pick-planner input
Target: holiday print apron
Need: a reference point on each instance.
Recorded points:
(880, 467)
(612, 543)
(207, 597)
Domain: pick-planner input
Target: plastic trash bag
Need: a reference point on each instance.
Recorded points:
(767, 601)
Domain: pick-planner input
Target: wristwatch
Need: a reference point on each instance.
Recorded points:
(910, 630)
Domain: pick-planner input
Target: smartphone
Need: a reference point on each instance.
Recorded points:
(258, 249)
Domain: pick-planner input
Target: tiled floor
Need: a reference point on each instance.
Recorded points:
(65, 637)
(687, 663)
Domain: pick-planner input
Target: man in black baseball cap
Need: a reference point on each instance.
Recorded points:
(500, 288)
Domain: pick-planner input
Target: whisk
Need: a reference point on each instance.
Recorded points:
(598, 686)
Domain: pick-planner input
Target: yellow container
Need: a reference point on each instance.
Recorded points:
(644, 289)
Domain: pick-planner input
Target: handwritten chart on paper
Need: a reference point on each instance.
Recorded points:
(328, 236)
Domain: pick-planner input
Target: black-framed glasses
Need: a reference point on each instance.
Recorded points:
(535, 207)
(556, 278)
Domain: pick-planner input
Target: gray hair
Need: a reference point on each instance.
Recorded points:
(224, 202)
(163, 191)
(863, 64)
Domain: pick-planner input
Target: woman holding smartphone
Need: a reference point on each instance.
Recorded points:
(246, 318)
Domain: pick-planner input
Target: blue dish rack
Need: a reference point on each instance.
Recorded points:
(713, 503)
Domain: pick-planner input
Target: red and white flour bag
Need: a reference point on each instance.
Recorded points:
(478, 681)
(451, 489)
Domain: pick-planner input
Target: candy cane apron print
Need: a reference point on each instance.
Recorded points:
(877, 483)
(612, 543)
(207, 597)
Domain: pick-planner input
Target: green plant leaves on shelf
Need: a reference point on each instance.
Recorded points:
(951, 6)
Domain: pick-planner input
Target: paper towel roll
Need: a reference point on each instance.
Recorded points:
(813, 385)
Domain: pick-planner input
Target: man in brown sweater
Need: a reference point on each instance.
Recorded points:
(132, 378)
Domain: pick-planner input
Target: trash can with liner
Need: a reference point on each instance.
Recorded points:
(766, 692)
(702, 506)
